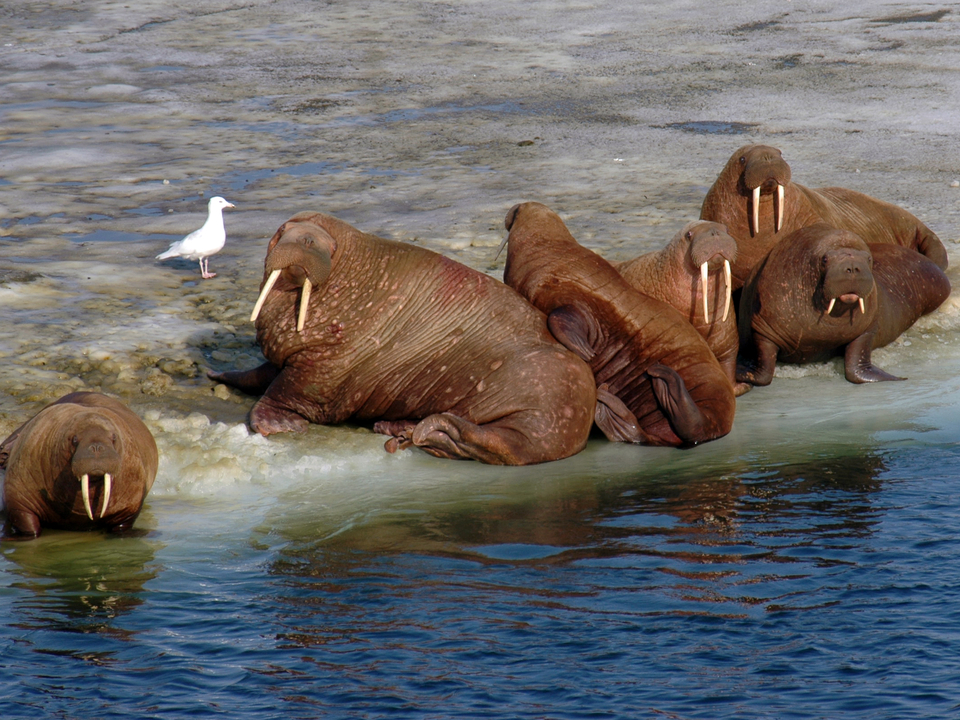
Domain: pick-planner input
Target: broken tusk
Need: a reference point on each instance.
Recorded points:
(106, 494)
(263, 294)
(704, 285)
(778, 209)
(863, 308)
(729, 284)
(755, 212)
(830, 306)
(304, 302)
(85, 491)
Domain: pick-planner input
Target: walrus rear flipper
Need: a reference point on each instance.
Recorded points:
(616, 421)
(857, 366)
(675, 401)
(576, 330)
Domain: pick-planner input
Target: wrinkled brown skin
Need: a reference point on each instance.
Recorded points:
(673, 276)
(44, 457)
(729, 201)
(442, 356)
(783, 308)
(658, 383)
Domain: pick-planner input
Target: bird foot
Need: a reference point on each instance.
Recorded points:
(208, 275)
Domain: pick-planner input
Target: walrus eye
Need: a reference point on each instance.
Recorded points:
(75, 440)
(743, 159)
(689, 235)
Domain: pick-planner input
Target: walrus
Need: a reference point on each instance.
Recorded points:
(84, 462)
(441, 356)
(823, 292)
(680, 274)
(657, 380)
(755, 197)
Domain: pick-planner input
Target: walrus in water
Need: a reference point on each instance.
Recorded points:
(758, 202)
(658, 382)
(84, 462)
(822, 292)
(692, 273)
(443, 357)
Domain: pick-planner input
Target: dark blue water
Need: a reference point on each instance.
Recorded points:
(824, 588)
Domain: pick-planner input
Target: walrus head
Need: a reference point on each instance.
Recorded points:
(762, 171)
(847, 279)
(97, 449)
(709, 247)
(301, 253)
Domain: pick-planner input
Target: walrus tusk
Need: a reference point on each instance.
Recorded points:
(755, 212)
(500, 249)
(778, 210)
(85, 490)
(106, 494)
(863, 308)
(727, 280)
(704, 284)
(304, 302)
(830, 306)
(263, 294)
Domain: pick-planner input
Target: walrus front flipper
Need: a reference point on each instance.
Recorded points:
(857, 366)
(21, 525)
(675, 402)
(252, 382)
(576, 330)
(762, 372)
(615, 419)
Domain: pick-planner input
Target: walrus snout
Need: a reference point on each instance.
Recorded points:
(96, 456)
(304, 252)
(764, 172)
(847, 277)
(711, 247)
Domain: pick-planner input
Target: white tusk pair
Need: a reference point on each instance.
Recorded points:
(268, 286)
(777, 210)
(705, 284)
(863, 307)
(85, 490)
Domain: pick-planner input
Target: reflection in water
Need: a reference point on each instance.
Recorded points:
(78, 582)
(723, 547)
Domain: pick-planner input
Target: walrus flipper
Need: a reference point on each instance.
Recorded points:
(252, 382)
(857, 366)
(761, 373)
(447, 435)
(616, 421)
(21, 525)
(576, 330)
(675, 402)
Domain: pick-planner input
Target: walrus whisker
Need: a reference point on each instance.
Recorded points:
(863, 308)
(85, 491)
(304, 302)
(500, 249)
(263, 294)
(830, 306)
(704, 285)
(729, 292)
(106, 494)
(778, 209)
(755, 212)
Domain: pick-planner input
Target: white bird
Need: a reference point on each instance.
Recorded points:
(202, 243)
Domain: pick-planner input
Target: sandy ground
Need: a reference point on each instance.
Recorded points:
(419, 121)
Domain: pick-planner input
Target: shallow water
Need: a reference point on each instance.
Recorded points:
(804, 566)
